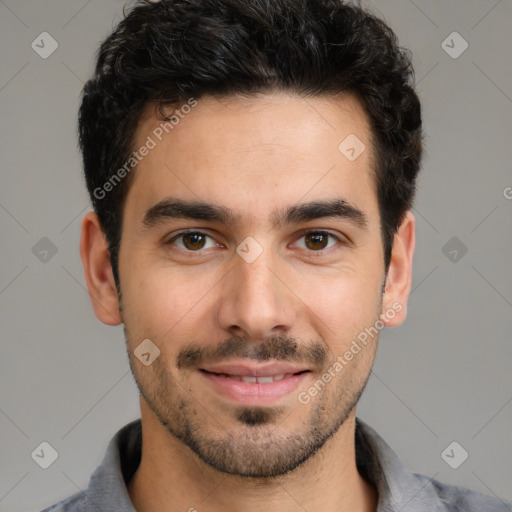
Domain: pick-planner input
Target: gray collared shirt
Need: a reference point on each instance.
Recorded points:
(399, 489)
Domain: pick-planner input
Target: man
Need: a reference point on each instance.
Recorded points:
(252, 167)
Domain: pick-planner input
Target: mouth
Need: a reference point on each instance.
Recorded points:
(249, 384)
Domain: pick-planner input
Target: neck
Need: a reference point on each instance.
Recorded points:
(172, 478)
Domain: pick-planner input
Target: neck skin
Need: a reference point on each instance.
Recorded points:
(171, 478)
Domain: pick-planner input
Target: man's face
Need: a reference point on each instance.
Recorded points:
(249, 296)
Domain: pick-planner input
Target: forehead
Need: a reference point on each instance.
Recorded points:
(255, 153)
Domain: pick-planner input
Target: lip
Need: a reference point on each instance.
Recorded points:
(220, 380)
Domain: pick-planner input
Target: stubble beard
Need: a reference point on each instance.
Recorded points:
(259, 446)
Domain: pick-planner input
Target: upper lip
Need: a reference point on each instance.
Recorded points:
(254, 370)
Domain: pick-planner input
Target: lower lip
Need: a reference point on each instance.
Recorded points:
(254, 393)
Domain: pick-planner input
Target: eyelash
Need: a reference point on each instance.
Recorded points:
(312, 252)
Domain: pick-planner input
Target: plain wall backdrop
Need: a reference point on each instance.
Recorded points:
(443, 376)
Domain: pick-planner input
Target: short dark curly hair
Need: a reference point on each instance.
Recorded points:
(171, 50)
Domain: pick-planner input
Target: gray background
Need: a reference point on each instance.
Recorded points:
(443, 376)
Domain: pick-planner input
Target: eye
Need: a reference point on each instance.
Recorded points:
(318, 241)
(192, 241)
(195, 241)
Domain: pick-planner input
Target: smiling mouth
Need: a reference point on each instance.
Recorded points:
(261, 379)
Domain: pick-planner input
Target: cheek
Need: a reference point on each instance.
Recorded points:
(346, 304)
(162, 302)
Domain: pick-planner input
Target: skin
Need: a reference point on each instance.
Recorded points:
(251, 155)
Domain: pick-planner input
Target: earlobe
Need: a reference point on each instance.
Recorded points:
(399, 277)
(98, 271)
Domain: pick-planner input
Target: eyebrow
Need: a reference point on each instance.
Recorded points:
(173, 208)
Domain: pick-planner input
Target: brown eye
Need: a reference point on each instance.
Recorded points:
(192, 241)
(320, 243)
(316, 241)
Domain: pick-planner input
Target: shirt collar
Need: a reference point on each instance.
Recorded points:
(107, 486)
(399, 489)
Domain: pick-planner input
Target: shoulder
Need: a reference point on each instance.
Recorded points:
(107, 486)
(76, 503)
(401, 489)
(453, 498)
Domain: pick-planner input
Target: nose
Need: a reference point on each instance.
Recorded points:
(256, 301)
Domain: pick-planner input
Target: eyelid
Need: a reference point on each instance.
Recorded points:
(341, 240)
(169, 240)
(341, 237)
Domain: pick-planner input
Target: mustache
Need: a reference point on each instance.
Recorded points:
(281, 348)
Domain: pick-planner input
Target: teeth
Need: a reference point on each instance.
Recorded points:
(267, 379)
(264, 380)
(261, 380)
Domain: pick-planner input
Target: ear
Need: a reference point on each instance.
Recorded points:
(399, 277)
(98, 271)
